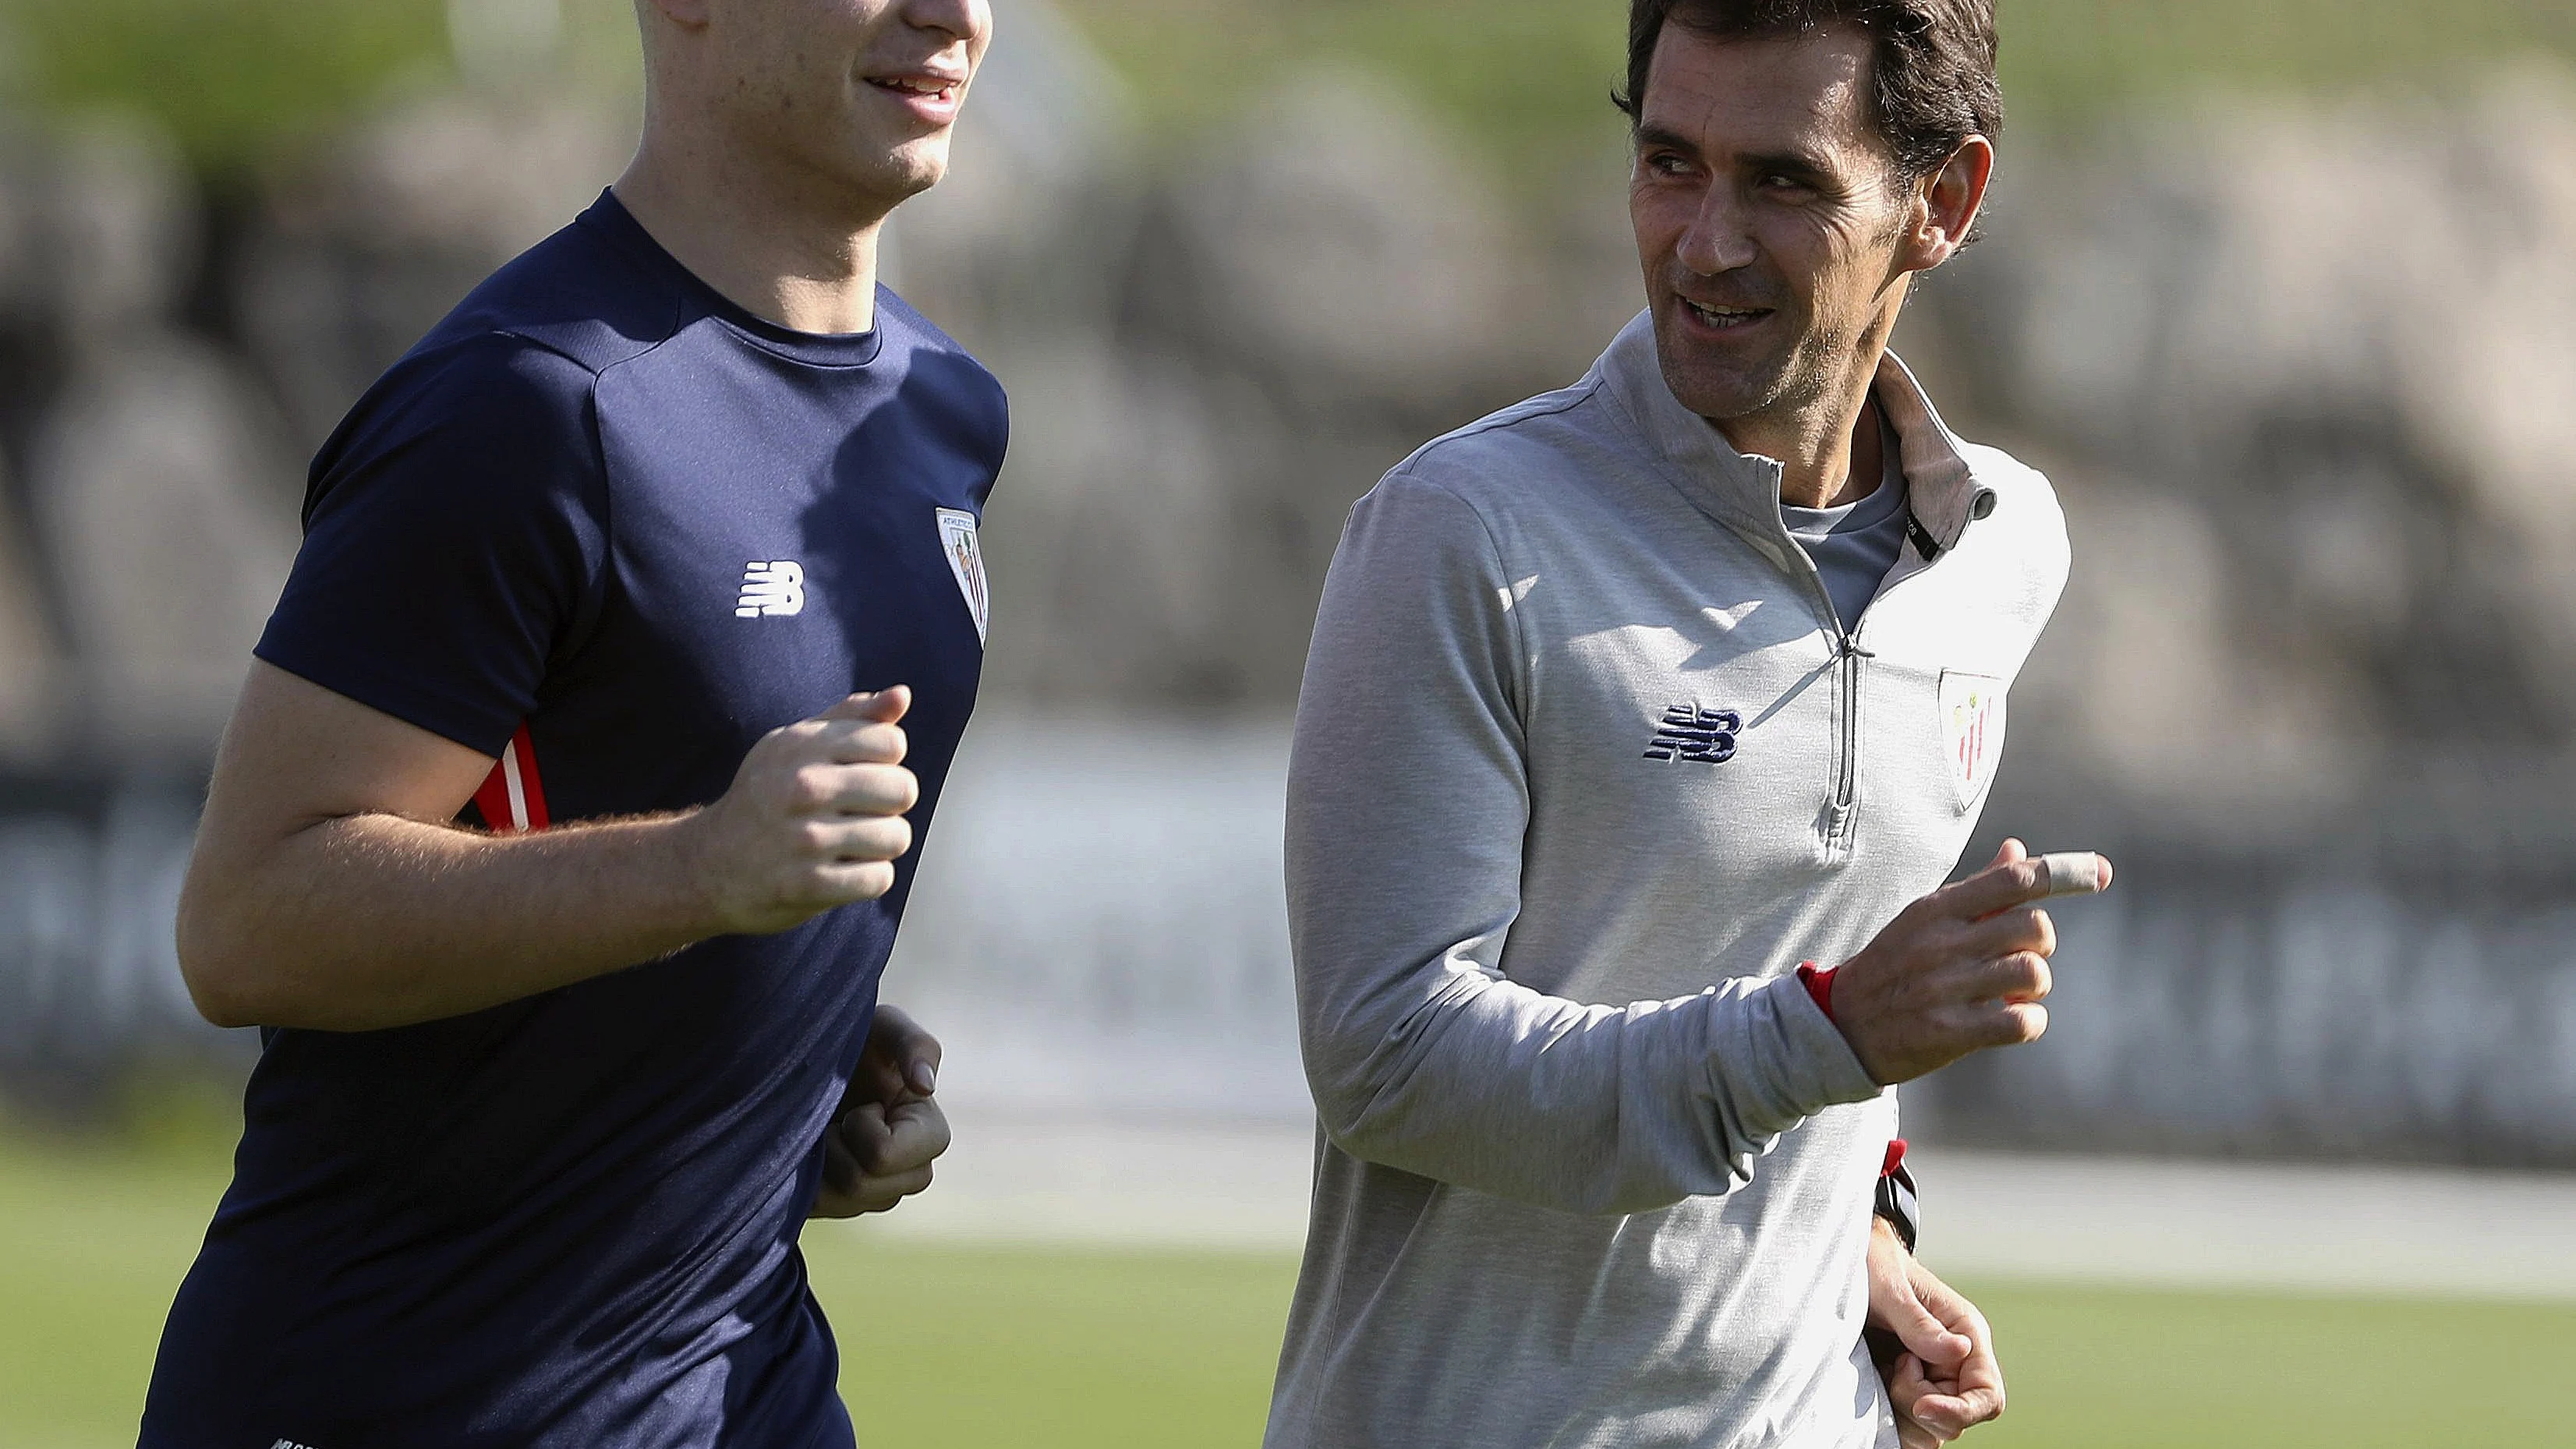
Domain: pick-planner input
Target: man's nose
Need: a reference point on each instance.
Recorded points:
(1719, 239)
(967, 20)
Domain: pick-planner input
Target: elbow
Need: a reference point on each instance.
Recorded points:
(1377, 1098)
(224, 979)
(218, 982)
(1376, 1142)
(220, 1009)
(1350, 1105)
(1382, 1119)
(1359, 1137)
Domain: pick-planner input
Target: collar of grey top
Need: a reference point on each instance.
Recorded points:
(1742, 490)
(1871, 510)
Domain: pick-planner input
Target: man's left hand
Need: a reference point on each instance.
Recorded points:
(880, 1146)
(1944, 1381)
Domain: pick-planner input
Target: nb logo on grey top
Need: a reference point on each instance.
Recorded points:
(1698, 736)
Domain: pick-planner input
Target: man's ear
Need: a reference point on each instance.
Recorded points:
(1946, 205)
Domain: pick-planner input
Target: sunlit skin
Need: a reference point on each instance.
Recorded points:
(779, 134)
(1778, 240)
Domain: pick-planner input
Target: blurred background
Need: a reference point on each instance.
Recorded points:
(2278, 291)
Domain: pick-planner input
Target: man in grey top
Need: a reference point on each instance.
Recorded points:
(1598, 755)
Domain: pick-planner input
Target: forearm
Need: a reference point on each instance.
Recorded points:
(372, 921)
(1488, 1085)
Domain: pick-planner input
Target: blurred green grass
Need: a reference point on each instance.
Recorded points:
(231, 78)
(955, 1347)
(1517, 74)
(240, 81)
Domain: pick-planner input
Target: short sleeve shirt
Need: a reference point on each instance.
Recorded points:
(610, 529)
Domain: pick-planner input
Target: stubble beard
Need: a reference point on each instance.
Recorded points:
(1784, 384)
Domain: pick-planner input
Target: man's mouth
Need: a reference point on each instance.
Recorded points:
(937, 89)
(1723, 318)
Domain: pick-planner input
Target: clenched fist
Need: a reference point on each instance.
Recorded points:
(890, 1130)
(1963, 969)
(813, 820)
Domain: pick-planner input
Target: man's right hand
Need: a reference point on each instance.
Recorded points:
(1963, 969)
(813, 820)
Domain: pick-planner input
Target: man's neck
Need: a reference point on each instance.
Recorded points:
(783, 247)
(1825, 461)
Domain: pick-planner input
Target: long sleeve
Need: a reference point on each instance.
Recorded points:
(1408, 812)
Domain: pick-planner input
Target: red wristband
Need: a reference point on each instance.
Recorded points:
(1820, 986)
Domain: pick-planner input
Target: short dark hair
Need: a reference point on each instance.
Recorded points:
(1934, 62)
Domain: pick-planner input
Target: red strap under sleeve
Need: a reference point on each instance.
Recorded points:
(1820, 986)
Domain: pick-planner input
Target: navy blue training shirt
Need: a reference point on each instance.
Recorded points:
(611, 529)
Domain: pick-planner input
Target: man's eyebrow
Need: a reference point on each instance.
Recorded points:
(1789, 163)
(1653, 136)
(1801, 165)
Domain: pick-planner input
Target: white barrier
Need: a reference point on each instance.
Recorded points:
(89, 897)
(1097, 932)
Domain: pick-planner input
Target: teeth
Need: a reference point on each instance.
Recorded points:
(1723, 316)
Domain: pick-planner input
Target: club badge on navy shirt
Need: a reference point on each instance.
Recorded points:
(959, 540)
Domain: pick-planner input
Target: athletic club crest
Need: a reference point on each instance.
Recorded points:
(1972, 730)
(958, 540)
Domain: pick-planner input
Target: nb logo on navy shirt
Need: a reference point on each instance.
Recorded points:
(1701, 736)
(771, 590)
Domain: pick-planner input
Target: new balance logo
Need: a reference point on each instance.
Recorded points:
(772, 591)
(1701, 736)
(289, 1444)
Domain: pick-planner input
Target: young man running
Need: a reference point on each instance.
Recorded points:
(566, 821)
(1623, 704)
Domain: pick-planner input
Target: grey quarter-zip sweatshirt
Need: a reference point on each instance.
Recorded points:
(1585, 765)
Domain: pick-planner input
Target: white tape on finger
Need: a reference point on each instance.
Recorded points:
(2073, 873)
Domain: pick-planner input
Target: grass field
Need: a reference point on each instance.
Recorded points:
(957, 1348)
(235, 80)
(1523, 78)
